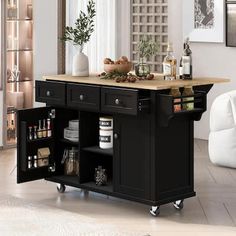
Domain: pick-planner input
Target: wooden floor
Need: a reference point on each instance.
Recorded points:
(212, 212)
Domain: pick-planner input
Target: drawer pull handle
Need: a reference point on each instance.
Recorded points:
(116, 136)
(117, 101)
(81, 97)
(48, 93)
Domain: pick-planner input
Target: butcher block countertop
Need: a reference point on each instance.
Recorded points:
(157, 84)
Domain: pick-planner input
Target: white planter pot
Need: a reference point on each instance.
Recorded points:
(80, 65)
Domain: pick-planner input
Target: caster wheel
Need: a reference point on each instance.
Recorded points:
(155, 211)
(179, 205)
(61, 188)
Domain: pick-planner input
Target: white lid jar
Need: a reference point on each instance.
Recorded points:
(106, 123)
(105, 139)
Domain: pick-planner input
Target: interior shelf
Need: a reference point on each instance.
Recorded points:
(69, 142)
(40, 140)
(74, 182)
(21, 81)
(15, 20)
(93, 187)
(98, 150)
(11, 110)
(20, 50)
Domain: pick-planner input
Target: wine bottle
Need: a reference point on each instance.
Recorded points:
(187, 62)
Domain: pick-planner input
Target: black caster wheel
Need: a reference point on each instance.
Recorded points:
(61, 188)
(155, 211)
(179, 205)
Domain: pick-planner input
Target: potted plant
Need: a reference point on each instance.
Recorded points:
(79, 36)
(146, 49)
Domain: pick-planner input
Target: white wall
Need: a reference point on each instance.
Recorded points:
(1, 118)
(209, 59)
(45, 38)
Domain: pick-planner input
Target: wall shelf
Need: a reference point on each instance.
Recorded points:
(18, 62)
(19, 50)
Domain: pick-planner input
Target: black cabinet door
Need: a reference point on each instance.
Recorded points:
(132, 153)
(25, 147)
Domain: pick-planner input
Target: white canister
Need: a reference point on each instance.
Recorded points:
(106, 123)
(105, 139)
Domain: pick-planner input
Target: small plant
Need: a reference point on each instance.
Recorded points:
(147, 48)
(84, 27)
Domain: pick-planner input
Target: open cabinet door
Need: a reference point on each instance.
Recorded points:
(28, 167)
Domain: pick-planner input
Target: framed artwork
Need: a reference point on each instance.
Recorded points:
(231, 23)
(203, 20)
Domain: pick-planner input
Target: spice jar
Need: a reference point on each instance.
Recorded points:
(176, 93)
(189, 105)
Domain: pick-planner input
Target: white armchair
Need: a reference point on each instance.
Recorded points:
(222, 139)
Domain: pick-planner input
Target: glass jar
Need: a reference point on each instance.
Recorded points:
(176, 93)
(142, 69)
(100, 176)
(188, 91)
(72, 162)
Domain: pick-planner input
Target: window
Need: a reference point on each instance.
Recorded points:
(103, 41)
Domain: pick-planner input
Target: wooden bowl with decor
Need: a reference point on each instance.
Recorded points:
(123, 65)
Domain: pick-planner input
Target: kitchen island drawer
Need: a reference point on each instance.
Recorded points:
(83, 97)
(123, 101)
(53, 93)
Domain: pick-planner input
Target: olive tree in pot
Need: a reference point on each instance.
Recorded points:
(79, 36)
(146, 49)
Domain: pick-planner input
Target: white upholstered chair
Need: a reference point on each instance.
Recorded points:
(222, 139)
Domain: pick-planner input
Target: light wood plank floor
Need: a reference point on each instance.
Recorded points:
(213, 211)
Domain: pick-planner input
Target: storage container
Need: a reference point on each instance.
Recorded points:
(106, 139)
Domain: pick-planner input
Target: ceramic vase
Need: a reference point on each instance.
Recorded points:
(80, 66)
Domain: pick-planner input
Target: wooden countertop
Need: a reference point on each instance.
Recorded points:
(157, 84)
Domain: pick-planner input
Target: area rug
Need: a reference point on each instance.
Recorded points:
(22, 218)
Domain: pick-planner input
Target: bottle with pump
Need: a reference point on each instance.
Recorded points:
(169, 64)
(187, 61)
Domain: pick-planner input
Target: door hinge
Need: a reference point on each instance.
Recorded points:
(52, 114)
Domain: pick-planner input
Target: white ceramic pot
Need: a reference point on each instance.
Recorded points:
(80, 65)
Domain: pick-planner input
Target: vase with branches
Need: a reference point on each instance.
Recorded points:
(146, 49)
(79, 36)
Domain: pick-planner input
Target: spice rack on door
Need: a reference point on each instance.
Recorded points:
(167, 103)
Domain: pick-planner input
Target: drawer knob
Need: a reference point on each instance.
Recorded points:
(117, 101)
(116, 136)
(81, 97)
(48, 93)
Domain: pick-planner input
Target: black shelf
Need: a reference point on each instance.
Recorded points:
(98, 150)
(39, 140)
(74, 182)
(93, 187)
(63, 140)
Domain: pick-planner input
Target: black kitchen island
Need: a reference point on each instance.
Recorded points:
(151, 161)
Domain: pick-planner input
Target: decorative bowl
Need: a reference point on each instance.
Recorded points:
(120, 68)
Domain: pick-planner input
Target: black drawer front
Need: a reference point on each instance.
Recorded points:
(123, 101)
(83, 97)
(53, 93)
